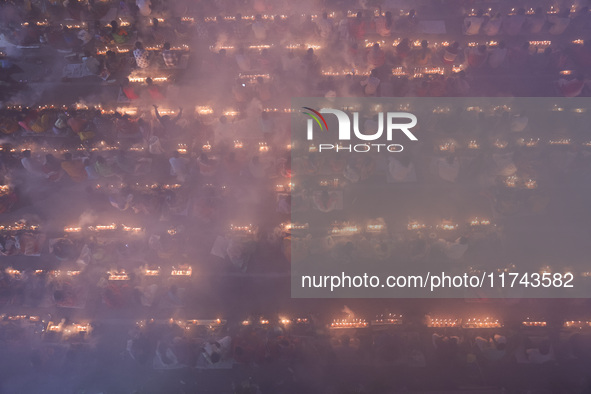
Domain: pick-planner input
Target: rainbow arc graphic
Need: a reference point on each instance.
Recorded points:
(317, 117)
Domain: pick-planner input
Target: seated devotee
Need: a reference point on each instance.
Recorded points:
(90, 170)
(118, 34)
(128, 90)
(451, 52)
(311, 63)
(144, 6)
(243, 60)
(376, 57)
(92, 64)
(559, 22)
(403, 50)
(121, 200)
(36, 122)
(103, 168)
(492, 27)
(154, 33)
(241, 93)
(154, 91)
(178, 167)
(8, 125)
(476, 56)
(266, 63)
(401, 169)
(52, 168)
(422, 56)
(357, 27)
(324, 26)
(112, 67)
(33, 166)
(454, 250)
(472, 24)
(371, 84)
(263, 90)
(141, 55)
(535, 22)
(497, 55)
(458, 85)
(326, 201)
(513, 24)
(74, 168)
(384, 24)
(257, 169)
(542, 354)
(207, 166)
(171, 59)
(166, 121)
(519, 122)
(571, 87)
(448, 168)
(258, 28)
(492, 349)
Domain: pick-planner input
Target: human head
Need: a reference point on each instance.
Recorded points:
(166, 46)
(27, 153)
(67, 156)
(139, 45)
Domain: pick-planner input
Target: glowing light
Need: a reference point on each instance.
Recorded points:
(482, 323)
(348, 323)
(204, 110)
(414, 225)
(184, 270)
(443, 323)
(118, 275)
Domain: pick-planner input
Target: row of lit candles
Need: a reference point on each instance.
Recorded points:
(69, 329)
(282, 320)
(349, 323)
(245, 229)
(451, 146)
(346, 228)
(514, 181)
(470, 323)
(446, 225)
(117, 49)
(153, 186)
(208, 110)
(108, 227)
(19, 226)
(122, 275)
(113, 274)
